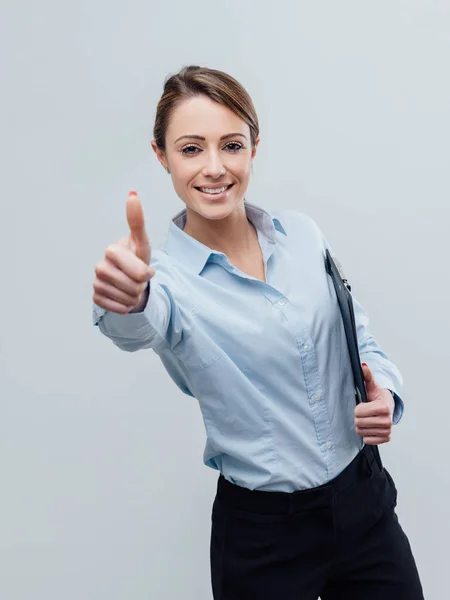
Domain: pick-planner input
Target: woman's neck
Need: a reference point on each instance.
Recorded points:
(234, 236)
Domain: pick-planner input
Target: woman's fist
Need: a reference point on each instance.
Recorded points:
(122, 276)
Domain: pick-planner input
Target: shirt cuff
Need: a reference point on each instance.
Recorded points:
(386, 382)
(399, 407)
(97, 314)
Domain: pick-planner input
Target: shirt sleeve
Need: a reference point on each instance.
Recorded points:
(161, 320)
(385, 372)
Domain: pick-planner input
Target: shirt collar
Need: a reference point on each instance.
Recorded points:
(194, 255)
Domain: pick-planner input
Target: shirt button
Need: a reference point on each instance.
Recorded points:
(317, 398)
(328, 445)
(306, 347)
(281, 302)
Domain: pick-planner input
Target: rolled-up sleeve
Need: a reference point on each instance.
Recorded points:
(385, 372)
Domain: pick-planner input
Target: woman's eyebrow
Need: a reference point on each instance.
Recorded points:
(201, 138)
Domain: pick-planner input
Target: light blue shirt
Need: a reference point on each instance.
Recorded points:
(267, 362)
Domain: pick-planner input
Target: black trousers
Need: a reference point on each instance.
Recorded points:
(339, 541)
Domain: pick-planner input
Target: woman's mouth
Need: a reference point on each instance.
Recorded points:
(215, 193)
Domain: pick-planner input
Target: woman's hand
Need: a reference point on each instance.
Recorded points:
(373, 419)
(122, 277)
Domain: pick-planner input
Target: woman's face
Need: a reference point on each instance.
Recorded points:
(209, 155)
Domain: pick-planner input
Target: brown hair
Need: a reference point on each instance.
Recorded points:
(200, 81)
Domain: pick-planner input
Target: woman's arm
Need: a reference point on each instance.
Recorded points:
(125, 310)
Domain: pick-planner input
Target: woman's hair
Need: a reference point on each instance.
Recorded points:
(200, 81)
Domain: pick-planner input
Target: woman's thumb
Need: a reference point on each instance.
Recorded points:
(369, 379)
(136, 223)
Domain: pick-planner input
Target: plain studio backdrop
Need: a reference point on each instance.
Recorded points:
(104, 495)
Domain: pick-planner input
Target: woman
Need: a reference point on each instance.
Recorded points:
(244, 317)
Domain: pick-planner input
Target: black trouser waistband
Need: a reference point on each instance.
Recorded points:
(367, 460)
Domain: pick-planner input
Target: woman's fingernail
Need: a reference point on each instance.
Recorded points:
(132, 193)
(364, 364)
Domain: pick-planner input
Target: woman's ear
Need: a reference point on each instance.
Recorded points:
(255, 147)
(160, 155)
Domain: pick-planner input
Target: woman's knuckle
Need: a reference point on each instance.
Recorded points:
(101, 270)
(97, 298)
(97, 285)
(112, 250)
(142, 274)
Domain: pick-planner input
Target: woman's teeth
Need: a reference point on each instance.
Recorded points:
(212, 190)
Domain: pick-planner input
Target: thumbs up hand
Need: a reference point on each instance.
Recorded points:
(121, 282)
(373, 419)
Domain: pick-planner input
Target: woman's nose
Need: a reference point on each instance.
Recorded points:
(214, 167)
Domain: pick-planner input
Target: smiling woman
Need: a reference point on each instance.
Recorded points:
(206, 135)
(239, 307)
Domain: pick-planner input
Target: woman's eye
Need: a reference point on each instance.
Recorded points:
(190, 150)
(230, 147)
(234, 147)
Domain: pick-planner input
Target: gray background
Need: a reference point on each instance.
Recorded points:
(103, 492)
